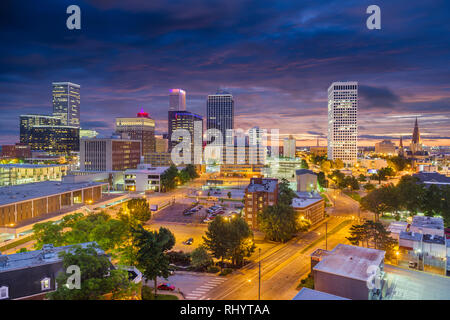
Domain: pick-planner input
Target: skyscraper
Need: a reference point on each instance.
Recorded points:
(66, 103)
(289, 146)
(177, 100)
(142, 128)
(220, 114)
(27, 121)
(343, 121)
(185, 120)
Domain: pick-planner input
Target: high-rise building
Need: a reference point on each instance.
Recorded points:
(27, 121)
(142, 128)
(66, 103)
(258, 144)
(289, 146)
(161, 145)
(220, 115)
(185, 120)
(55, 139)
(177, 100)
(109, 154)
(343, 121)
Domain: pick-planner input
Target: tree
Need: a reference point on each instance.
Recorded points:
(139, 209)
(168, 179)
(325, 166)
(303, 225)
(432, 201)
(278, 222)
(362, 178)
(411, 194)
(192, 172)
(322, 180)
(97, 277)
(229, 239)
(151, 255)
(285, 193)
(200, 258)
(369, 187)
(304, 164)
(338, 164)
(48, 233)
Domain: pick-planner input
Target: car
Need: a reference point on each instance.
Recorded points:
(413, 264)
(219, 212)
(166, 286)
(194, 210)
(189, 241)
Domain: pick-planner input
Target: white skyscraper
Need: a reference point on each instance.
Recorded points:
(343, 121)
(177, 100)
(289, 147)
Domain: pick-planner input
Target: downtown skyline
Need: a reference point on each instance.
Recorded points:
(277, 60)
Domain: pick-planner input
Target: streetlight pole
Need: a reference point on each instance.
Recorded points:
(259, 275)
(326, 235)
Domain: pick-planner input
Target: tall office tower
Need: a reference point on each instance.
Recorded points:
(289, 147)
(66, 103)
(177, 100)
(27, 121)
(142, 128)
(220, 115)
(185, 120)
(343, 121)
(258, 144)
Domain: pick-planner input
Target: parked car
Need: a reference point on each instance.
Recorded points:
(413, 264)
(189, 241)
(166, 286)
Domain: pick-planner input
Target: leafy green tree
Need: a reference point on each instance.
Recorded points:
(285, 193)
(432, 201)
(325, 166)
(168, 179)
(369, 187)
(97, 277)
(48, 233)
(411, 194)
(303, 225)
(398, 163)
(322, 180)
(304, 164)
(152, 252)
(139, 209)
(192, 172)
(230, 239)
(338, 164)
(362, 178)
(278, 222)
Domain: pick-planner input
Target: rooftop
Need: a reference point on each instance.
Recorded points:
(304, 171)
(305, 199)
(25, 192)
(262, 185)
(398, 226)
(48, 254)
(430, 238)
(428, 222)
(147, 170)
(432, 178)
(30, 166)
(310, 294)
(413, 236)
(350, 261)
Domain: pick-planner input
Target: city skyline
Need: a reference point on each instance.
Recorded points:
(277, 64)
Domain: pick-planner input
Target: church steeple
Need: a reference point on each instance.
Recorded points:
(416, 134)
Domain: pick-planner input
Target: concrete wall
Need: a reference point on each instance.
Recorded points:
(340, 286)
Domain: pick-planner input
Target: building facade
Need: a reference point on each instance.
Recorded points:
(260, 193)
(309, 206)
(178, 120)
(66, 103)
(13, 174)
(343, 121)
(177, 100)
(109, 154)
(289, 147)
(55, 139)
(385, 147)
(27, 121)
(220, 116)
(144, 178)
(141, 128)
(18, 150)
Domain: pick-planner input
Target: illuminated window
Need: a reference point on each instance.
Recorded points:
(45, 284)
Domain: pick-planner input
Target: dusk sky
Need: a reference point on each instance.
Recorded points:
(277, 58)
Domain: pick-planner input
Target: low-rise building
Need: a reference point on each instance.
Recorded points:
(385, 147)
(310, 206)
(18, 150)
(346, 271)
(428, 225)
(311, 294)
(277, 167)
(396, 227)
(25, 204)
(159, 159)
(13, 174)
(261, 192)
(320, 151)
(144, 178)
(306, 180)
(373, 164)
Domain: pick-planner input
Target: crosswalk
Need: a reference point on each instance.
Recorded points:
(201, 292)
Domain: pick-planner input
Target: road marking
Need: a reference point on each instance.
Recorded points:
(202, 298)
(200, 291)
(194, 294)
(207, 286)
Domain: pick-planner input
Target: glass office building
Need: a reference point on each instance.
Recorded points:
(66, 103)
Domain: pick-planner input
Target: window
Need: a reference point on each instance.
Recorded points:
(45, 284)
(4, 293)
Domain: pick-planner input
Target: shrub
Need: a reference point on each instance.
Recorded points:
(226, 271)
(213, 269)
(179, 258)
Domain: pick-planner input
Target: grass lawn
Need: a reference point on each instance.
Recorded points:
(16, 243)
(148, 294)
(354, 195)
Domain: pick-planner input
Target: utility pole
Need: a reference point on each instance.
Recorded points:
(326, 235)
(259, 275)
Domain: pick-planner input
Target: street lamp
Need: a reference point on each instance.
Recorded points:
(259, 274)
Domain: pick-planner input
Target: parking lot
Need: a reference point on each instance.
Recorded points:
(174, 213)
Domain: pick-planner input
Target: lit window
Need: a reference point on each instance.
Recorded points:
(45, 284)
(4, 293)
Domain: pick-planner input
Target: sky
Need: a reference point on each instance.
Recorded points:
(277, 58)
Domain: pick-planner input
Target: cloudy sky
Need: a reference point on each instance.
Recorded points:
(276, 57)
